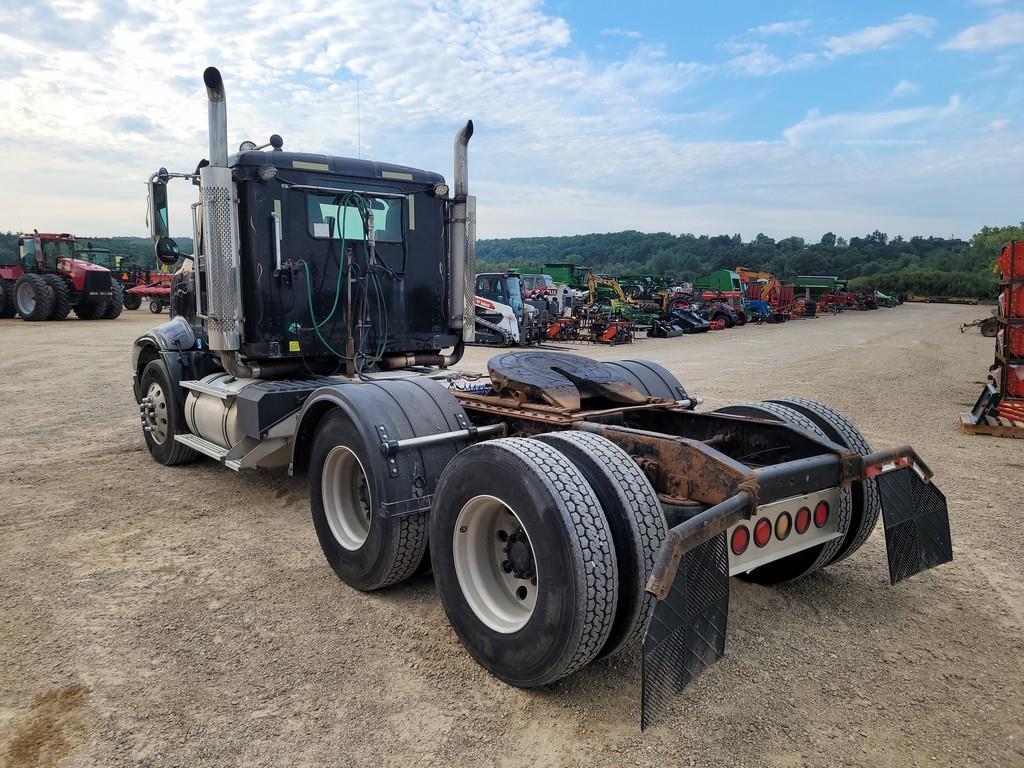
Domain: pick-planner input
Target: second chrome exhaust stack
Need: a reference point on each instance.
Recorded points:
(220, 227)
(462, 262)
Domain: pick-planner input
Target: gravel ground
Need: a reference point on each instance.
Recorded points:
(162, 616)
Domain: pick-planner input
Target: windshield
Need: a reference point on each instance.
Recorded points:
(500, 288)
(327, 217)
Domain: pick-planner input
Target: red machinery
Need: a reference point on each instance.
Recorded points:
(157, 290)
(48, 282)
(1000, 409)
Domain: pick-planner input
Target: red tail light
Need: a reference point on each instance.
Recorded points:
(803, 520)
(821, 514)
(762, 532)
(740, 540)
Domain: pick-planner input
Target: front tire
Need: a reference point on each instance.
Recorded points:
(366, 548)
(523, 560)
(34, 298)
(163, 416)
(116, 303)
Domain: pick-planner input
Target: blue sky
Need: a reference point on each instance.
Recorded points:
(779, 117)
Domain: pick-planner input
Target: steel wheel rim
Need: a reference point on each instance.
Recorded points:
(158, 416)
(501, 600)
(26, 299)
(347, 501)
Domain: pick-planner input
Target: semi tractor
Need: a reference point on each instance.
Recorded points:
(572, 508)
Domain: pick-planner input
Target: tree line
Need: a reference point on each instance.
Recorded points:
(925, 265)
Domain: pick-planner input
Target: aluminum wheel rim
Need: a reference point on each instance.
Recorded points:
(26, 299)
(501, 600)
(157, 418)
(346, 495)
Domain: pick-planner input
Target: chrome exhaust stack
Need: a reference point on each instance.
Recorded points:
(462, 262)
(220, 231)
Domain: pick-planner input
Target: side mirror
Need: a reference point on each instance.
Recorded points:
(167, 251)
(158, 225)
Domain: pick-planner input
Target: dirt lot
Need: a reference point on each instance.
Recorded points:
(155, 616)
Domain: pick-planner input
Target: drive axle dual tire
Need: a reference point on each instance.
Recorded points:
(636, 520)
(366, 549)
(866, 502)
(808, 561)
(524, 560)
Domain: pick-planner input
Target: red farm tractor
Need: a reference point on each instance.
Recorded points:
(48, 282)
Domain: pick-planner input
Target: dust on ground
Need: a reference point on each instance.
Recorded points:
(185, 616)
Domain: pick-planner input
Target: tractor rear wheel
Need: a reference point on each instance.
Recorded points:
(34, 297)
(163, 416)
(116, 303)
(523, 560)
(61, 297)
(132, 300)
(636, 520)
(8, 308)
(810, 560)
(867, 504)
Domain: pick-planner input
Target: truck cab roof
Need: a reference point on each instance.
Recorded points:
(340, 166)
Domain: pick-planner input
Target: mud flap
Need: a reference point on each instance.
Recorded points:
(686, 631)
(916, 519)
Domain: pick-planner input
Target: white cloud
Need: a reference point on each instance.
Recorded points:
(861, 127)
(565, 143)
(1002, 30)
(904, 88)
(781, 28)
(758, 61)
(880, 36)
(620, 32)
(999, 124)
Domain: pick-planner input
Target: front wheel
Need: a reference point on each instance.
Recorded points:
(116, 303)
(163, 416)
(524, 560)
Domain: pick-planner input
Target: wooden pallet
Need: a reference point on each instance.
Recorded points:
(992, 425)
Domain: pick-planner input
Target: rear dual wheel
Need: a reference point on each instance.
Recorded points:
(541, 552)
(524, 560)
(368, 550)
